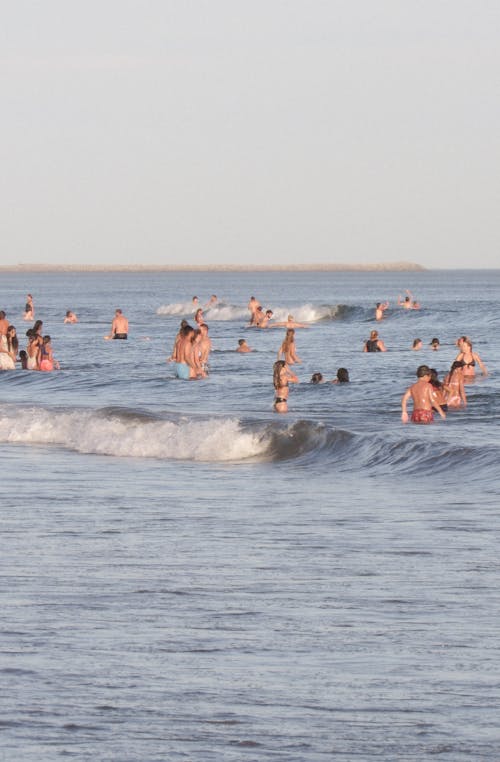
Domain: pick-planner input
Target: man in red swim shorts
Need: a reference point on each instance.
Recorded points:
(421, 394)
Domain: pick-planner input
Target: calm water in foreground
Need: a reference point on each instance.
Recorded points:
(186, 575)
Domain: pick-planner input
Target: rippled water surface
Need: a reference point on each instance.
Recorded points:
(188, 576)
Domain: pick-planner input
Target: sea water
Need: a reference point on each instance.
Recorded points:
(186, 575)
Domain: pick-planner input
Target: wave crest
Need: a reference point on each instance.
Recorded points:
(126, 434)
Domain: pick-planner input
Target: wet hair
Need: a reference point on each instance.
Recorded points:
(316, 378)
(434, 380)
(241, 342)
(378, 304)
(12, 341)
(373, 335)
(269, 312)
(37, 326)
(343, 376)
(46, 339)
(423, 370)
(434, 342)
(456, 364)
(2, 315)
(288, 340)
(186, 330)
(184, 323)
(277, 367)
(416, 341)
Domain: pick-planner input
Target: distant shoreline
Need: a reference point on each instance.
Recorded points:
(383, 267)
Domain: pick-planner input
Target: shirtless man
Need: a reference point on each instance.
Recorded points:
(253, 306)
(407, 302)
(423, 399)
(243, 346)
(264, 321)
(119, 326)
(290, 323)
(380, 308)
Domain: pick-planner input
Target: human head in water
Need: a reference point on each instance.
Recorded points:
(342, 376)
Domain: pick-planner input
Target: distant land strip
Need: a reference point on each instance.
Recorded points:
(325, 267)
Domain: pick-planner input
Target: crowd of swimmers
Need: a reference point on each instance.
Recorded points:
(192, 347)
(38, 354)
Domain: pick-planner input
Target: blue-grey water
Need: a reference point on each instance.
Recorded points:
(186, 575)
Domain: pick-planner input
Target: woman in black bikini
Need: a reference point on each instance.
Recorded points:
(469, 359)
(282, 376)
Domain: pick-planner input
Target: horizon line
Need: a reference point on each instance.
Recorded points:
(325, 267)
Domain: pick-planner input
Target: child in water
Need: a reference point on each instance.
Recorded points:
(46, 360)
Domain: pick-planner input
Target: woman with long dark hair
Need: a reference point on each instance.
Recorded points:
(282, 376)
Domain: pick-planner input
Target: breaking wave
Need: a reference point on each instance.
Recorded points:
(124, 432)
(305, 313)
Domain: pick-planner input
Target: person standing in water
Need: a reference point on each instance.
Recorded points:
(423, 399)
(453, 384)
(470, 360)
(282, 376)
(119, 326)
(29, 308)
(374, 344)
(46, 360)
(288, 350)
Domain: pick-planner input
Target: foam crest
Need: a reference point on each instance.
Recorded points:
(180, 308)
(226, 312)
(122, 436)
(310, 313)
(219, 311)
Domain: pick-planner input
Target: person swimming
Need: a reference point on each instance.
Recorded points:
(342, 376)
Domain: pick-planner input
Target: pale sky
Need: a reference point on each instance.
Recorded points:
(258, 132)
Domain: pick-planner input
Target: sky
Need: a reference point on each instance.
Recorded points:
(264, 132)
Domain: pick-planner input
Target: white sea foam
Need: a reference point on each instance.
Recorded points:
(305, 313)
(220, 311)
(179, 308)
(214, 440)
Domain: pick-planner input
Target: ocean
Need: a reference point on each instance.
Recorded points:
(186, 575)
